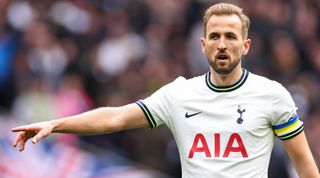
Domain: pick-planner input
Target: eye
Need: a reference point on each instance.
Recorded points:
(231, 36)
(214, 36)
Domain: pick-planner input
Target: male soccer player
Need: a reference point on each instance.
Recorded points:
(224, 122)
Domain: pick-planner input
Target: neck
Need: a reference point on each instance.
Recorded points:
(227, 79)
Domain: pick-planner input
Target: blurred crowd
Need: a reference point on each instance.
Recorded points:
(63, 57)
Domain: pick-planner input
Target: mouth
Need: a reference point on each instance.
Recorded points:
(222, 56)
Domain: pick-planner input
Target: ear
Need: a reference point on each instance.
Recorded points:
(246, 46)
(203, 45)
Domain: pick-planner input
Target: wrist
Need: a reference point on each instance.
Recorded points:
(55, 125)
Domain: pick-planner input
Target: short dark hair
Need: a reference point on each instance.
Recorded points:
(227, 9)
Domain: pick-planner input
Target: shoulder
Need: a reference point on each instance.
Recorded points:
(266, 84)
(273, 89)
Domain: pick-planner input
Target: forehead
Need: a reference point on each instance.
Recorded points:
(221, 23)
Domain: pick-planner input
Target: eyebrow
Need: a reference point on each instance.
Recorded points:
(213, 33)
(231, 33)
(225, 33)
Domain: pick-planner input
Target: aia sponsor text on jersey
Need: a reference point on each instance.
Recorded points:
(234, 145)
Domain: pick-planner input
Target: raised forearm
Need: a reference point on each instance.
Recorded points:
(97, 121)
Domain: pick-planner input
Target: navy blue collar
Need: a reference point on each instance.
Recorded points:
(232, 87)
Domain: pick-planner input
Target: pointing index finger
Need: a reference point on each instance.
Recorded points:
(21, 128)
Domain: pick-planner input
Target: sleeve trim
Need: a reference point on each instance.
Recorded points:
(147, 113)
(292, 134)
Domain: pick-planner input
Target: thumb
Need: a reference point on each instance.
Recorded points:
(40, 135)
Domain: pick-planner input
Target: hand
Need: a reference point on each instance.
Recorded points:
(36, 131)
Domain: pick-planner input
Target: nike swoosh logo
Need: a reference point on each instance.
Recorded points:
(191, 115)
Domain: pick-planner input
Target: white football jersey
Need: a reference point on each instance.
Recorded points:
(224, 132)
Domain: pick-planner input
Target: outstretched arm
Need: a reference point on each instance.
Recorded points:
(301, 156)
(97, 121)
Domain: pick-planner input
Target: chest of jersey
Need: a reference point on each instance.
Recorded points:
(222, 125)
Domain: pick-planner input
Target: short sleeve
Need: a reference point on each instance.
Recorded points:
(284, 117)
(158, 106)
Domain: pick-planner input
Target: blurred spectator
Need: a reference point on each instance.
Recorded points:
(20, 15)
(46, 58)
(197, 61)
(38, 99)
(314, 55)
(119, 48)
(70, 16)
(284, 59)
(71, 98)
(9, 42)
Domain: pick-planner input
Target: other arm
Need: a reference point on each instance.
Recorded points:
(301, 156)
(98, 121)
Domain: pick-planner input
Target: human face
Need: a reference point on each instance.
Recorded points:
(224, 44)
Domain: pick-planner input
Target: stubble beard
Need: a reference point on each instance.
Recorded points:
(223, 69)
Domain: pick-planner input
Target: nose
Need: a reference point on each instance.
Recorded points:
(222, 45)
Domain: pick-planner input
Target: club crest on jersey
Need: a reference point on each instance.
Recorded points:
(240, 111)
